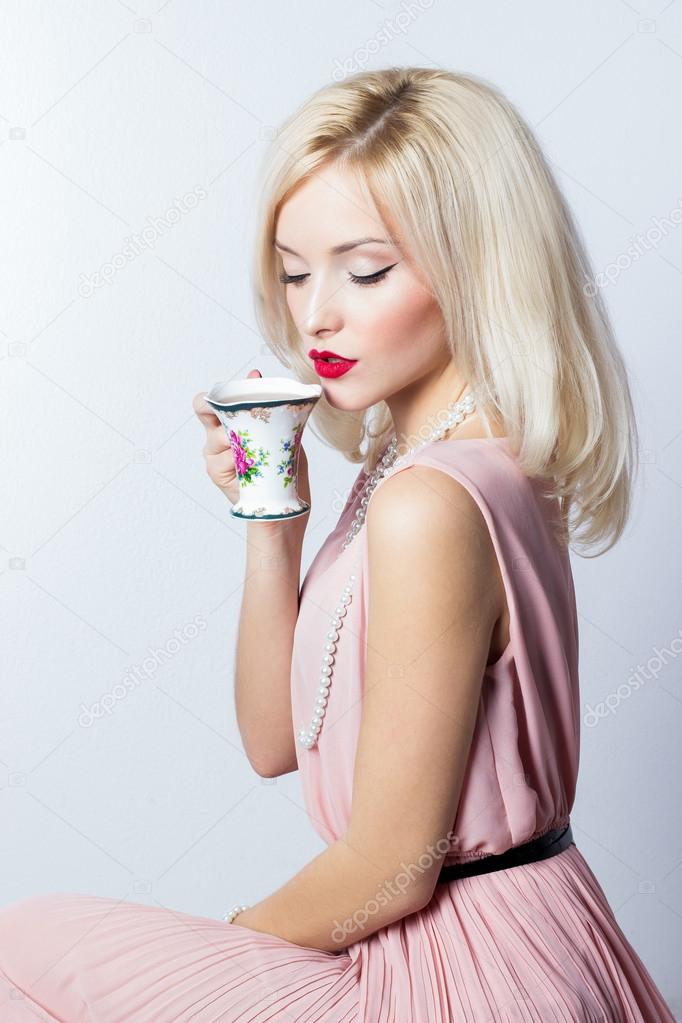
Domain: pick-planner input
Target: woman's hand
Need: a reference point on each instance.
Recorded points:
(217, 452)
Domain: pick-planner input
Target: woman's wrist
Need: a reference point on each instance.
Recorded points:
(231, 914)
(286, 533)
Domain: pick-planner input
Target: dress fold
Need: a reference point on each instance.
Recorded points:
(535, 943)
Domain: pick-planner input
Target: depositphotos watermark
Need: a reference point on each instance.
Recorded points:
(636, 680)
(639, 246)
(435, 421)
(360, 58)
(341, 498)
(137, 243)
(141, 672)
(387, 891)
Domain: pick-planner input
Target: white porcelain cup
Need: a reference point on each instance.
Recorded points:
(264, 418)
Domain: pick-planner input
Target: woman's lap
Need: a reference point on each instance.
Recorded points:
(84, 957)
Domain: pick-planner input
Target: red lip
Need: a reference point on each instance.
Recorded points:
(314, 354)
(332, 370)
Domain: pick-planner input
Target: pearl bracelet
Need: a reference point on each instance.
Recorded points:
(229, 916)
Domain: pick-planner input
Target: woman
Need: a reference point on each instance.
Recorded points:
(415, 256)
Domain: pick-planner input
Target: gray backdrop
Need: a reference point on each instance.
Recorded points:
(138, 127)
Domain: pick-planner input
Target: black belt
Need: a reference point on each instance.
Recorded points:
(549, 844)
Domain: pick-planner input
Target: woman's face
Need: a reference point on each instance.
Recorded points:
(392, 327)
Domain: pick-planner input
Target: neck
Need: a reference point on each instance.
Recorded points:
(420, 409)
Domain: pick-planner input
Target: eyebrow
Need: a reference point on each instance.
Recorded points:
(338, 249)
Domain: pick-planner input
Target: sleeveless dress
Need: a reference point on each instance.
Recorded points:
(536, 942)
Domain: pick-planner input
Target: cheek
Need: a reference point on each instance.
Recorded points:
(401, 319)
(293, 306)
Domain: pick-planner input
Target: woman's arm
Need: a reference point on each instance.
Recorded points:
(434, 597)
(269, 610)
(265, 641)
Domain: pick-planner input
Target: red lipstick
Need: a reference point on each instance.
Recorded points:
(325, 368)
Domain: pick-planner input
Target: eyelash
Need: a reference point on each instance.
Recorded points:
(365, 282)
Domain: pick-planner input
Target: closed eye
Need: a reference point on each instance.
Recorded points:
(286, 278)
(372, 278)
(363, 281)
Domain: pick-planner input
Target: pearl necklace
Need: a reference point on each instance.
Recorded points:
(387, 466)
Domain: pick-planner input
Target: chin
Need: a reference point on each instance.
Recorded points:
(345, 400)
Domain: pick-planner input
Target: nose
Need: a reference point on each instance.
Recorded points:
(321, 313)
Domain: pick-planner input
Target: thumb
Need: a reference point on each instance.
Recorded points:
(251, 372)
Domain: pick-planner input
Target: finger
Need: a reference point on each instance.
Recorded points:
(217, 440)
(204, 411)
(220, 466)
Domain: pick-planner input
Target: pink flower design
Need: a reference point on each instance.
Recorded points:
(242, 461)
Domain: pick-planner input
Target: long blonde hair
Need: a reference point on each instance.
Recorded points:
(448, 160)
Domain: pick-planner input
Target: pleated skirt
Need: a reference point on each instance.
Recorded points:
(537, 942)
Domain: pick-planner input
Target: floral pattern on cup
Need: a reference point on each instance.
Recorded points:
(247, 460)
(264, 421)
(290, 447)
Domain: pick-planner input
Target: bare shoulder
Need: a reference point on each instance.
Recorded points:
(429, 547)
(426, 509)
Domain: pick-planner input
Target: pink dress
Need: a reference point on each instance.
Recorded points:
(537, 942)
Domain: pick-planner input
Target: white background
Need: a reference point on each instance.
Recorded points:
(112, 536)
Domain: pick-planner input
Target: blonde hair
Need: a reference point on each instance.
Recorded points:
(451, 165)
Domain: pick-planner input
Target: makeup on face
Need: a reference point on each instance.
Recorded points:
(329, 364)
(358, 302)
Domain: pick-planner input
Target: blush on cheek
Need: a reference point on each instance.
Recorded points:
(408, 323)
